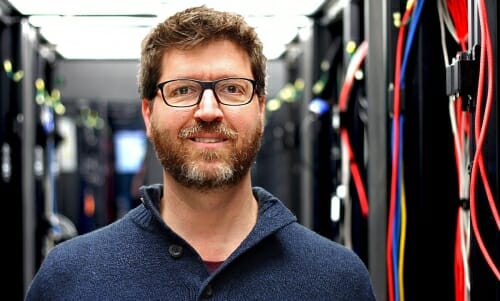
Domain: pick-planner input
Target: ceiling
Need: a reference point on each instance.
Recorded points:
(106, 29)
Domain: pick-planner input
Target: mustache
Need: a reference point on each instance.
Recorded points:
(207, 127)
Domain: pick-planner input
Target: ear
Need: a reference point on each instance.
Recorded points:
(146, 115)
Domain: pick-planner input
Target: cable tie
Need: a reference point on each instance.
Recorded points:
(464, 203)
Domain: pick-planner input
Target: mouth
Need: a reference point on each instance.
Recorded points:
(208, 133)
(208, 140)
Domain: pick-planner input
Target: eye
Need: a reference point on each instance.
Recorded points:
(181, 88)
(232, 87)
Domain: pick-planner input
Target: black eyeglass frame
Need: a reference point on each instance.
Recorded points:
(208, 85)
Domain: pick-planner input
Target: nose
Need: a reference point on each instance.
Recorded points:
(209, 108)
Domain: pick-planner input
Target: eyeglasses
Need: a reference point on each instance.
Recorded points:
(233, 91)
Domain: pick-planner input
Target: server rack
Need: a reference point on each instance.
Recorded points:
(18, 141)
(430, 175)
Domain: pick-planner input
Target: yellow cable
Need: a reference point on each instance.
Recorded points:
(402, 242)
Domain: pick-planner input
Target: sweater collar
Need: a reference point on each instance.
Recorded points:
(272, 216)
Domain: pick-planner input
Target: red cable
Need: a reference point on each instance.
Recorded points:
(358, 181)
(459, 267)
(479, 129)
(458, 12)
(480, 136)
(395, 152)
(356, 61)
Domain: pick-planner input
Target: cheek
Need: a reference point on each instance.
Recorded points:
(246, 118)
(246, 126)
(171, 119)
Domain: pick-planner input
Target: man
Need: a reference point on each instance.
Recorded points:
(205, 232)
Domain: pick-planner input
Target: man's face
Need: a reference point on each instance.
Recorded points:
(209, 145)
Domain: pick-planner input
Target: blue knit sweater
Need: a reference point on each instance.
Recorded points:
(139, 257)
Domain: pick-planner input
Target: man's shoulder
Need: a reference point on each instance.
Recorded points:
(100, 240)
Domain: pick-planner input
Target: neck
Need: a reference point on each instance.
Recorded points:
(213, 222)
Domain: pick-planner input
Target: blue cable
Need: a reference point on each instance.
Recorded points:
(397, 222)
(397, 218)
(409, 41)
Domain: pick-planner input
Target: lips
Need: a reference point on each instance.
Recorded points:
(208, 140)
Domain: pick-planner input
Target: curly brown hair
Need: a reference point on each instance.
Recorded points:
(193, 27)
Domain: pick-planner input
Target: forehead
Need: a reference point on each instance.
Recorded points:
(213, 60)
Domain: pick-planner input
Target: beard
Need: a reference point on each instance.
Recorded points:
(205, 169)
